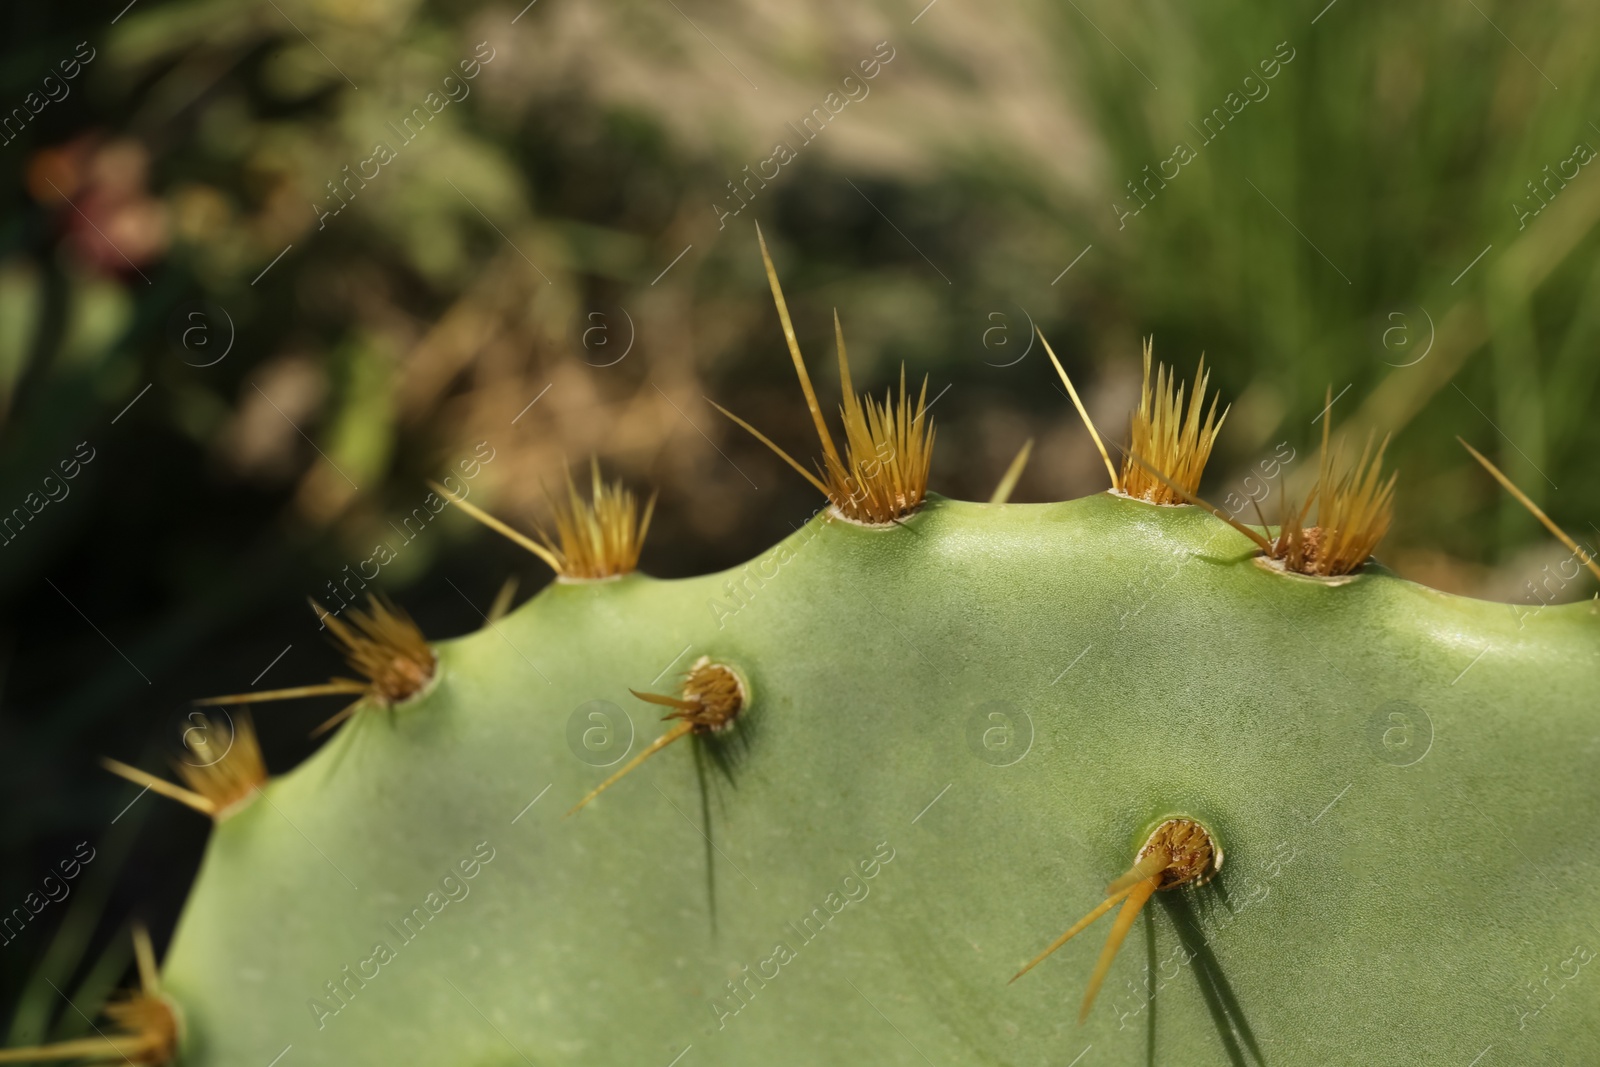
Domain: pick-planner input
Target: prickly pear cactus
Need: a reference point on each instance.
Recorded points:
(957, 730)
(918, 738)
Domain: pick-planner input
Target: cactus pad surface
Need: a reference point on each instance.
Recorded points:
(958, 730)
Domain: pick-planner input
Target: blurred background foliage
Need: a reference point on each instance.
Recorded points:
(263, 385)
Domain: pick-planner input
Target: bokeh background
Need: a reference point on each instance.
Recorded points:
(262, 369)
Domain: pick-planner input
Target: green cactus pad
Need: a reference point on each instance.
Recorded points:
(959, 731)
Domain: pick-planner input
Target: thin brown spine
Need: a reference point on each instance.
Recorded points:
(815, 408)
(329, 688)
(1073, 931)
(335, 719)
(1534, 509)
(157, 784)
(1138, 895)
(1150, 864)
(679, 730)
(1179, 851)
(863, 484)
(764, 439)
(500, 527)
(1179, 441)
(1008, 481)
(1083, 413)
(503, 598)
(1190, 498)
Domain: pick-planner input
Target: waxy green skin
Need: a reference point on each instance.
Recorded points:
(1385, 908)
